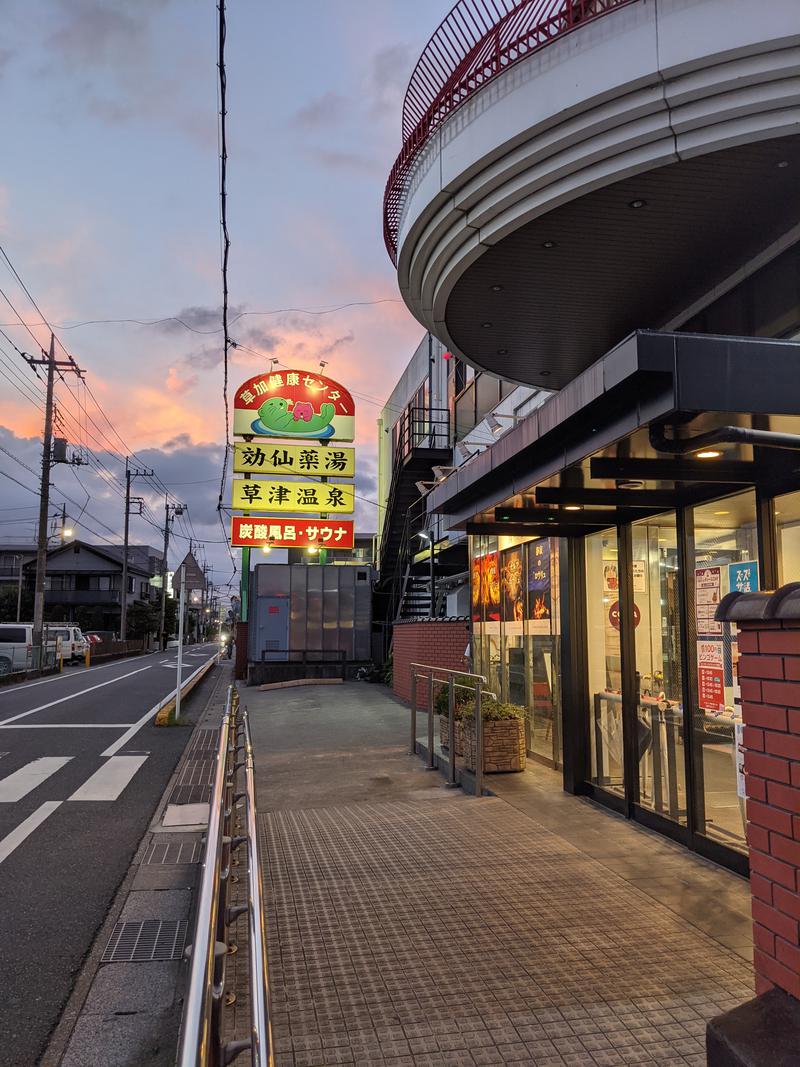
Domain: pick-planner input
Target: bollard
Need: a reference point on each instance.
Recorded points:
(86, 657)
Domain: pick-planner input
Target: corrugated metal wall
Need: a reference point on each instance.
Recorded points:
(330, 607)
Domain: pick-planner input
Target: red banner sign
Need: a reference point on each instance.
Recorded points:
(247, 532)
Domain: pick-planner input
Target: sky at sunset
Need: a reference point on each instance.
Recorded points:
(109, 210)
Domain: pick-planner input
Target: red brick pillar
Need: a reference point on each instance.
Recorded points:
(769, 675)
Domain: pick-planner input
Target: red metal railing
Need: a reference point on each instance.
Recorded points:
(478, 40)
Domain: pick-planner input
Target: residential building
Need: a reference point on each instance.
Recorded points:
(83, 582)
(615, 186)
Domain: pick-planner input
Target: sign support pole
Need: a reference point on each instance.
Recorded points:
(245, 585)
(181, 613)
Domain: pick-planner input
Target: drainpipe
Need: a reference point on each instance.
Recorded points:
(723, 435)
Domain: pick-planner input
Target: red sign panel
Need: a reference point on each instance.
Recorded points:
(247, 532)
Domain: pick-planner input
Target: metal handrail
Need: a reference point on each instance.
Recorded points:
(202, 1026)
(477, 41)
(430, 673)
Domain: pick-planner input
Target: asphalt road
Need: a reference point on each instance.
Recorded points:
(82, 769)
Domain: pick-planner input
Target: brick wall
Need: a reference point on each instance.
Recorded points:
(769, 673)
(440, 643)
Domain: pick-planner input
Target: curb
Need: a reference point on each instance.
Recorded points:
(164, 710)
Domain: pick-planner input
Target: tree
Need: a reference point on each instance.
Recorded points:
(170, 617)
(143, 619)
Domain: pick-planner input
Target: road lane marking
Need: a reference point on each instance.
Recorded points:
(72, 696)
(9, 690)
(109, 781)
(27, 778)
(66, 726)
(114, 748)
(26, 828)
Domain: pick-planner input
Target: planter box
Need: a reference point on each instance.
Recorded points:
(503, 745)
(444, 734)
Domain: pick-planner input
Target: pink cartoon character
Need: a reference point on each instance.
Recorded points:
(303, 410)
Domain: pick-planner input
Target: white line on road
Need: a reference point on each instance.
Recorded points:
(27, 778)
(11, 689)
(67, 726)
(109, 781)
(26, 828)
(114, 748)
(72, 696)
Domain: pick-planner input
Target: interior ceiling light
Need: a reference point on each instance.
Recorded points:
(709, 453)
(629, 483)
(486, 325)
(784, 163)
(549, 244)
(497, 288)
(635, 204)
(545, 373)
(573, 507)
(722, 513)
(502, 351)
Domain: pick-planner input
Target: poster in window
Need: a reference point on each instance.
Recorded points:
(490, 595)
(610, 577)
(511, 578)
(475, 589)
(710, 677)
(539, 591)
(707, 595)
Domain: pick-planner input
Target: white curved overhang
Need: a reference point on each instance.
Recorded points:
(653, 85)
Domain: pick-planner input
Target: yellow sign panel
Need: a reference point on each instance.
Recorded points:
(268, 458)
(293, 498)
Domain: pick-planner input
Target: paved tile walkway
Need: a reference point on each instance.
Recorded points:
(460, 931)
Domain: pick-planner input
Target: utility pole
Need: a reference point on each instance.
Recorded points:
(49, 360)
(130, 473)
(176, 509)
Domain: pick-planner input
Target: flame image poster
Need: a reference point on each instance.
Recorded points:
(539, 592)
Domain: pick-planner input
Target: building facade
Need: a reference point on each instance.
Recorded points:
(600, 200)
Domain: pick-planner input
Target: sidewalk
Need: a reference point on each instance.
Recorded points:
(412, 925)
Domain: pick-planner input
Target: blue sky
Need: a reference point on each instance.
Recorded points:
(108, 208)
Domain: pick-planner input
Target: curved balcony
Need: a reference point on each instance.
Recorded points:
(479, 40)
(574, 170)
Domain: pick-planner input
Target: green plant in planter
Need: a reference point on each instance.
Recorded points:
(464, 701)
(495, 711)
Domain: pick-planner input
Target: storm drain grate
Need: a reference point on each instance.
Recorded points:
(174, 852)
(146, 942)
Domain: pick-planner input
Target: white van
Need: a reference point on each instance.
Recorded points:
(73, 643)
(16, 647)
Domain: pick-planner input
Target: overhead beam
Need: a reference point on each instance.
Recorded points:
(676, 470)
(628, 498)
(549, 518)
(518, 529)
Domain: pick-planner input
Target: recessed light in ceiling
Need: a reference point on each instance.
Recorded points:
(629, 483)
(784, 163)
(573, 507)
(635, 204)
(545, 373)
(486, 325)
(709, 453)
(549, 244)
(496, 288)
(502, 351)
(722, 513)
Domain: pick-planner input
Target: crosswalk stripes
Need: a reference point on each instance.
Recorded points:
(111, 779)
(22, 781)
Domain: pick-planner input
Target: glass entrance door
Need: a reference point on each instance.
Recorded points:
(659, 676)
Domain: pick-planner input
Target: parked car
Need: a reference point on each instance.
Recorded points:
(94, 638)
(73, 643)
(16, 646)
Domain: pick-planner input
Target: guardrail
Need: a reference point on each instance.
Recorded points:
(202, 1041)
(477, 41)
(434, 676)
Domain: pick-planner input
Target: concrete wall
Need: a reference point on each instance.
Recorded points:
(437, 643)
